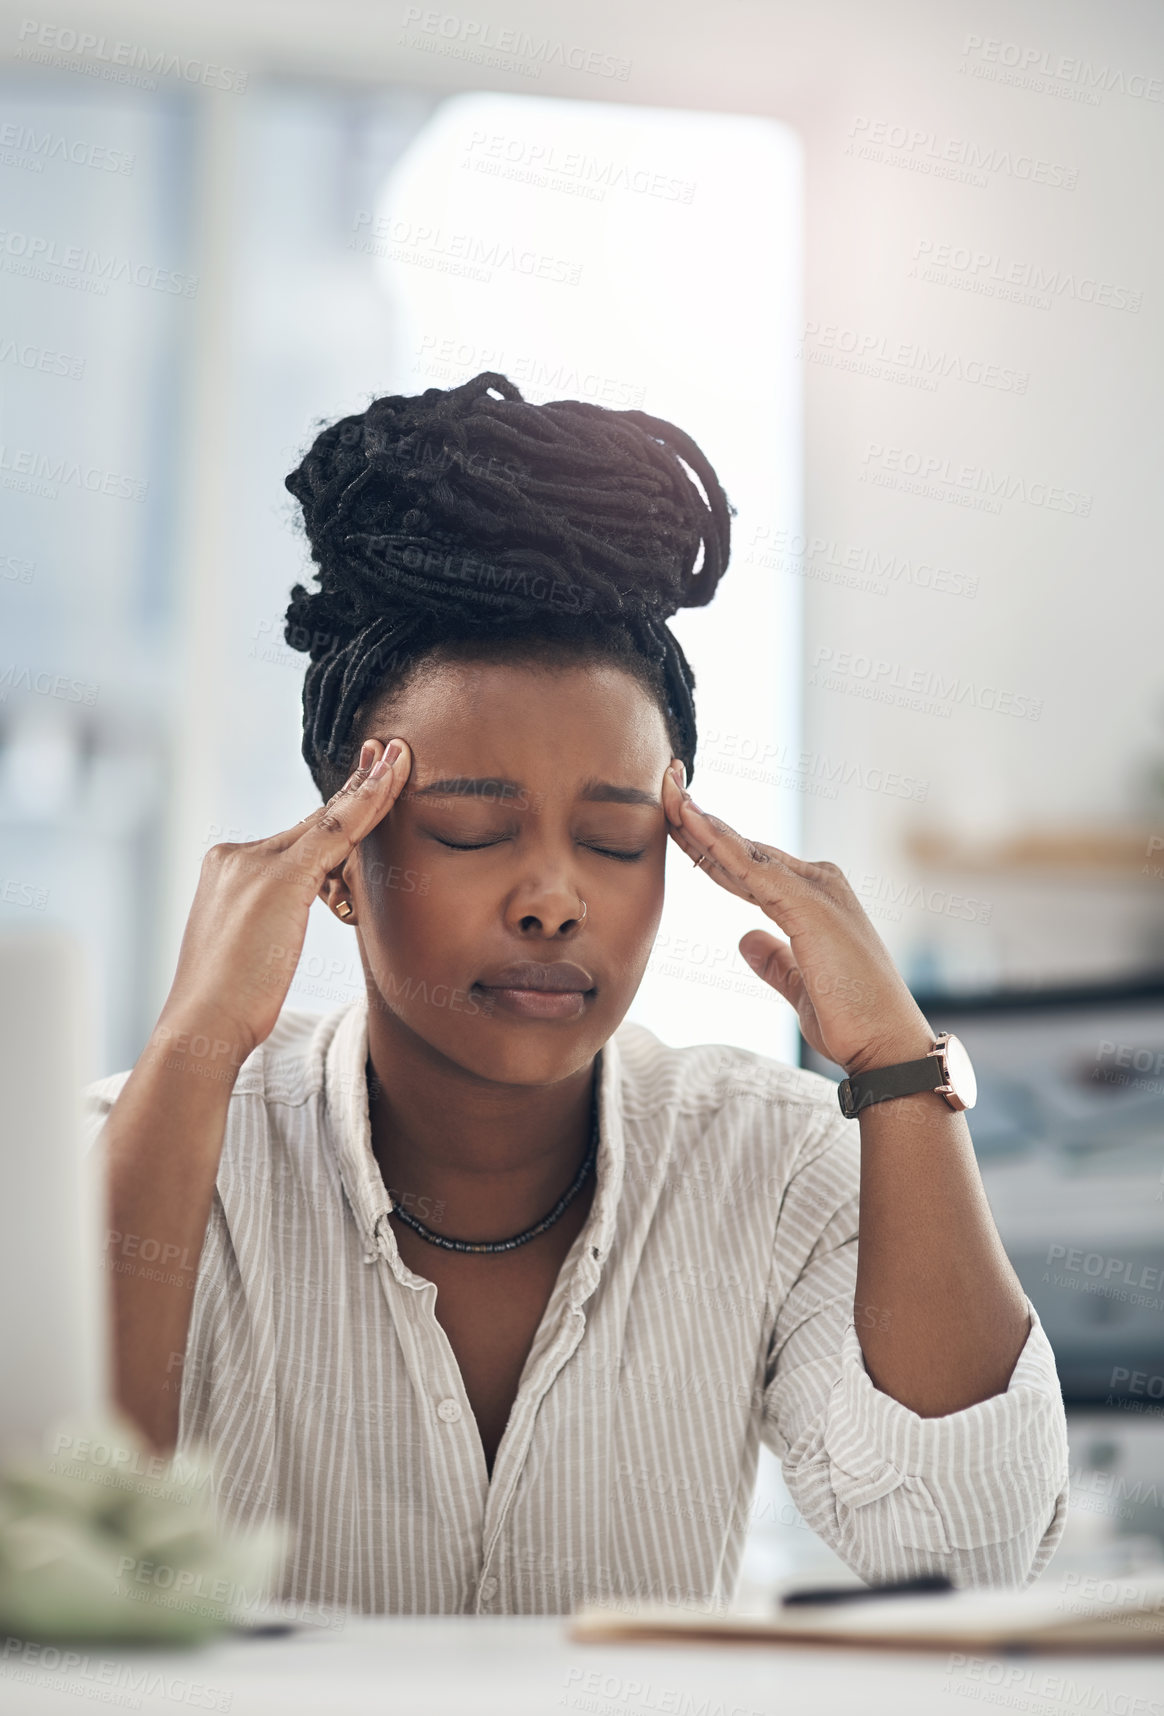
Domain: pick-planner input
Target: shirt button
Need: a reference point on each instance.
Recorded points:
(488, 1590)
(449, 1410)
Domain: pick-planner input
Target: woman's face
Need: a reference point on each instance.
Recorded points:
(550, 783)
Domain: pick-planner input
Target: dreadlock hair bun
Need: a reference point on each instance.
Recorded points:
(470, 513)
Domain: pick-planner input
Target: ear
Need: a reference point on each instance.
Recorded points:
(334, 891)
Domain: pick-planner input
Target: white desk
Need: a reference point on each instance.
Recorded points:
(525, 1666)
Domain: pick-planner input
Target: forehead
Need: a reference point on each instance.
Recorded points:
(504, 716)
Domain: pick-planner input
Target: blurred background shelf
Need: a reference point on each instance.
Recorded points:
(1036, 906)
(1135, 854)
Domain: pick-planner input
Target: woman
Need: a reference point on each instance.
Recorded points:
(491, 1294)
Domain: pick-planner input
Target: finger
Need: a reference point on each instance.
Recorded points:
(288, 836)
(356, 809)
(768, 875)
(328, 835)
(727, 858)
(696, 850)
(673, 793)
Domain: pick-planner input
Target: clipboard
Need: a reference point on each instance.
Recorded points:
(1070, 1614)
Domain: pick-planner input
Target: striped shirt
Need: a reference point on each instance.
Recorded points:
(705, 1307)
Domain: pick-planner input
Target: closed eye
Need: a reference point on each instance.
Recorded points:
(479, 846)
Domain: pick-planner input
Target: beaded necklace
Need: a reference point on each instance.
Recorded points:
(563, 1204)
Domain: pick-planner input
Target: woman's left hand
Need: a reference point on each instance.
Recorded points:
(853, 1004)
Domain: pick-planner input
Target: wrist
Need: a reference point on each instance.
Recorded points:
(201, 1034)
(907, 1039)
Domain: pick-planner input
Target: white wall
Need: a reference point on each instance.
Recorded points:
(1065, 611)
(664, 190)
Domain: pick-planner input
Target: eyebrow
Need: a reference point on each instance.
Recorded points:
(593, 791)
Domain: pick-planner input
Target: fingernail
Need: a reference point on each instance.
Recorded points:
(386, 761)
(691, 805)
(367, 752)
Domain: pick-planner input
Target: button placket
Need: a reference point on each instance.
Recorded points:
(433, 1372)
(519, 1432)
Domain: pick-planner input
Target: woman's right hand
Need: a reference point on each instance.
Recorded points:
(248, 921)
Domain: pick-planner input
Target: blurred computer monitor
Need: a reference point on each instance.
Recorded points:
(1068, 1129)
(53, 1361)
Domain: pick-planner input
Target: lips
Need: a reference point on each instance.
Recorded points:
(559, 977)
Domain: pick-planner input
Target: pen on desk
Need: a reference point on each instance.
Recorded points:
(264, 1630)
(847, 1593)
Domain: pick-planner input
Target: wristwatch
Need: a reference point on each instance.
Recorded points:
(946, 1070)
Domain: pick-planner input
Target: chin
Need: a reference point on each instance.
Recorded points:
(525, 1052)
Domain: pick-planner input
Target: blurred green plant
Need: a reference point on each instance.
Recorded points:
(102, 1539)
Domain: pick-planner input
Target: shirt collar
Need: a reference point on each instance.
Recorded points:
(346, 1095)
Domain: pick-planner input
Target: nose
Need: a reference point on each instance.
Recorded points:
(545, 897)
(552, 919)
(554, 908)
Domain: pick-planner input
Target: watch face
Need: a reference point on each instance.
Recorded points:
(961, 1074)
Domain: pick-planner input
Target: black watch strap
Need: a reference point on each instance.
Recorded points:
(905, 1079)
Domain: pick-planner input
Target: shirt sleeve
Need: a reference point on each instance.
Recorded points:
(979, 1495)
(97, 1099)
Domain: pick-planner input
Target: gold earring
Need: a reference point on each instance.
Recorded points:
(344, 910)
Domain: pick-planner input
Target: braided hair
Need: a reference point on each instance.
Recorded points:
(468, 522)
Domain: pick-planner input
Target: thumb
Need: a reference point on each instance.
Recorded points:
(772, 959)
